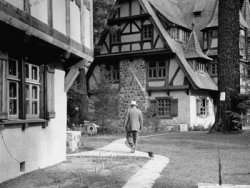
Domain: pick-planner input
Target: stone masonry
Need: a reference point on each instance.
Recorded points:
(132, 85)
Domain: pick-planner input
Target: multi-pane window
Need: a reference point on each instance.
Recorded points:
(202, 106)
(205, 40)
(174, 33)
(147, 32)
(116, 36)
(15, 85)
(178, 34)
(213, 68)
(112, 73)
(157, 70)
(164, 107)
(32, 86)
(210, 39)
(214, 39)
(201, 67)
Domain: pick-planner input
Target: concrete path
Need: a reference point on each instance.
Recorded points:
(145, 177)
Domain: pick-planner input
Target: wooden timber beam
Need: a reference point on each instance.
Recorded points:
(73, 74)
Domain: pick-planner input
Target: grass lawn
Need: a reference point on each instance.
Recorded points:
(93, 142)
(81, 172)
(193, 158)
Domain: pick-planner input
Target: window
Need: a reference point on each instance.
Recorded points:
(174, 33)
(115, 36)
(242, 43)
(200, 67)
(147, 32)
(164, 107)
(32, 88)
(213, 70)
(31, 85)
(214, 39)
(167, 107)
(13, 85)
(24, 87)
(112, 73)
(205, 41)
(202, 106)
(157, 70)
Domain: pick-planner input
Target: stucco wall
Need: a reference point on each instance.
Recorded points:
(38, 147)
(183, 107)
(195, 120)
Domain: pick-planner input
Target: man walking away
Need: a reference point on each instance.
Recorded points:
(133, 124)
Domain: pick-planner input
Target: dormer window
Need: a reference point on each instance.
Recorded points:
(147, 32)
(116, 36)
(210, 39)
(197, 66)
(242, 43)
(197, 13)
(178, 34)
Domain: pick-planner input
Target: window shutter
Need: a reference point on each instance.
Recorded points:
(42, 92)
(50, 92)
(153, 108)
(174, 107)
(3, 90)
(198, 107)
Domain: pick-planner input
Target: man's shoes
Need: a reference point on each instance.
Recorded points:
(133, 150)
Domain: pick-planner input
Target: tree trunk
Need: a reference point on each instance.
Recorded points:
(228, 59)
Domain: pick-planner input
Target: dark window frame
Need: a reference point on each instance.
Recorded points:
(157, 72)
(112, 72)
(147, 32)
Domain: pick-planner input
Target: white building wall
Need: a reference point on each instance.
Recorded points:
(183, 107)
(59, 15)
(196, 121)
(38, 147)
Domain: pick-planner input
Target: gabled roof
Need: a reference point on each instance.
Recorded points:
(199, 6)
(243, 21)
(214, 19)
(171, 11)
(199, 81)
(245, 10)
(193, 49)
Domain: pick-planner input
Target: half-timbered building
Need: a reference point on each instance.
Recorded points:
(44, 45)
(164, 53)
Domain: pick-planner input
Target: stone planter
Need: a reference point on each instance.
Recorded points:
(73, 140)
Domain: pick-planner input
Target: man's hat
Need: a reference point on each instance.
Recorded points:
(133, 103)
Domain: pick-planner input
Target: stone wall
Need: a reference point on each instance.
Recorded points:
(132, 85)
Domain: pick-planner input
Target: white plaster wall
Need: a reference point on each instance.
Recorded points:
(87, 27)
(39, 10)
(183, 107)
(38, 147)
(135, 8)
(59, 15)
(75, 26)
(172, 68)
(195, 120)
(124, 10)
(179, 80)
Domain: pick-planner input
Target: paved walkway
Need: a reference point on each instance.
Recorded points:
(145, 177)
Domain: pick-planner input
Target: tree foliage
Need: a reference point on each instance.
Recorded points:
(101, 10)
